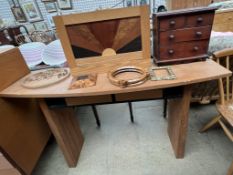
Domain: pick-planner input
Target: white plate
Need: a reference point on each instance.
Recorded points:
(5, 48)
(32, 53)
(53, 54)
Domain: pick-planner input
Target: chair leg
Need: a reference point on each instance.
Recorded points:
(210, 124)
(131, 112)
(165, 108)
(96, 115)
(226, 130)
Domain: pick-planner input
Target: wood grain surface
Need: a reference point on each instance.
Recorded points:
(223, 20)
(97, 36)
(186, 74)
(230, 171)
(23, 132)
(66, 131)
(178, 110)
(121, 27)
(13, 67)
(181, 4)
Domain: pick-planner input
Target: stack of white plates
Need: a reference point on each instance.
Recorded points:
(54, 54)
(5, 48)
(32, 53)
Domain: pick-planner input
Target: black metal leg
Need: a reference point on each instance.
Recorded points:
(96, 115)
(165, 108)
(131, 112)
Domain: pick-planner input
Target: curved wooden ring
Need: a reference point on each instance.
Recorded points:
(125, 83)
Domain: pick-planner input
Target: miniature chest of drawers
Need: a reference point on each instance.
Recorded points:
(182, 36)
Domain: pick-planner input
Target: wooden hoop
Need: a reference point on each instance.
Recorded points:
(125, 83)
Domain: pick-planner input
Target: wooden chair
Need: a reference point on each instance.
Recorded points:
(22, 38)
(225, 103)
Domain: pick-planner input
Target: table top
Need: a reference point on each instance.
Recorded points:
(186, 74)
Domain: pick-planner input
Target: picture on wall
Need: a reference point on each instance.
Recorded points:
(50, 7)
(31, 11)
(11, 3)
(16, 3)
(64, 4)
(41, 26)
(143, 2)
(18, 14)
(140, 2)
(30, 27)
(50, 19)
(128, 3)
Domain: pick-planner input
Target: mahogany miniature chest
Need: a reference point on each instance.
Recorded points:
(183, 35)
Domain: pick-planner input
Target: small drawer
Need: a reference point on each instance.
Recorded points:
(202, 19)
(73, 101)
(188, 34)
(183, 50)
(172, 23)
(141, 95)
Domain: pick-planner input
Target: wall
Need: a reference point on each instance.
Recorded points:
(78, 6)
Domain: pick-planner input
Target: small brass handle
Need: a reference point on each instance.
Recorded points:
(172, 23)
(171, 51)
(195, 48)
(200, 19)
(171, 36)
(199, 34)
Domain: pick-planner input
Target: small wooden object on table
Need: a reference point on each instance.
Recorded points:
(87, 39)
(83, 81)
(182, 36)
(112, 76)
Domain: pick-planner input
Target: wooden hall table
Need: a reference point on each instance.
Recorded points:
(66, 130)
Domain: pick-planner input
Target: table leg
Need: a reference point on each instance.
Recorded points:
(178, 110)
(66, 131)
(230, 171)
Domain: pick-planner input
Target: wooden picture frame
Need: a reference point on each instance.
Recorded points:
(18, 14)
(64, 4)
(50, 7)
(31, 10)
(104, 63)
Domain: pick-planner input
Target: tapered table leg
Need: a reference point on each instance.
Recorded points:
(178, 110)
(66, 131)
(230, 171)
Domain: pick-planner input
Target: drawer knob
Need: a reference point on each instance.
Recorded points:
(172, 23)
(200, 19)
(195, 48)
(171, 51)
(198, 34)
(171, 36)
